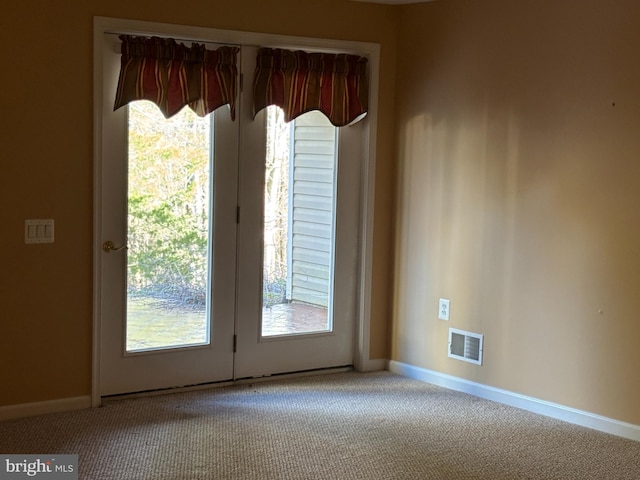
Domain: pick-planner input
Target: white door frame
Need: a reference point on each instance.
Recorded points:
(104, 25)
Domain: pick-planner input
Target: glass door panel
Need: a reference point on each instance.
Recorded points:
(157, 196)
(299, 224)
(168, 229)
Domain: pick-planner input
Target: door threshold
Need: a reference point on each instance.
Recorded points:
(227, 383)
(166, 391)
(302, 373)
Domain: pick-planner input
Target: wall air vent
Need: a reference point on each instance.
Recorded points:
(465, 346)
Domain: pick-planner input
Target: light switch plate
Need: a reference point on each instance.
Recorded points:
(38, 230)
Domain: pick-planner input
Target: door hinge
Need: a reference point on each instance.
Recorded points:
(235, 343)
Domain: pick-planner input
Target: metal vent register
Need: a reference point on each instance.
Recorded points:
(465, 346)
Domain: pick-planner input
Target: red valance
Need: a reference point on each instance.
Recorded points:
(172, 75)
(298, 82)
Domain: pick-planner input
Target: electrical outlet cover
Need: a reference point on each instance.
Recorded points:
(443, 309)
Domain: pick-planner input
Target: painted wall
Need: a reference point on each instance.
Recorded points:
(46, 158)
(519, 191)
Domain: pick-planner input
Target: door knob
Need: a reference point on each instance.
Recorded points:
(108, 246)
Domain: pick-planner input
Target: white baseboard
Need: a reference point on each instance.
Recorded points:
(542, 407)
(40, 408)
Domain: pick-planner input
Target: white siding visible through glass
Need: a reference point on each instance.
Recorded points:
(313, 206)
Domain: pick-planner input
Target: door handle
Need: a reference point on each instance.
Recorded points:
(108, 246)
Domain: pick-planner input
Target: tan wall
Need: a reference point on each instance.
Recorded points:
(46, 158)
(519, 192)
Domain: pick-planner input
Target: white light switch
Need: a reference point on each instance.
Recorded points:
(38, 231)
(443, 309)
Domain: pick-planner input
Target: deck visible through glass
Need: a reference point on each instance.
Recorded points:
(156, 326)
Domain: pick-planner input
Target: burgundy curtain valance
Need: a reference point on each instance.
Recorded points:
(298, 82)
(172, 75)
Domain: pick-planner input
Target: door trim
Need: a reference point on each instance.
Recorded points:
(104, 25)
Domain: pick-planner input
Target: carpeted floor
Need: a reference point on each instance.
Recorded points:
(339, 427)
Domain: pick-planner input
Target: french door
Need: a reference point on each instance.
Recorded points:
(228, 248)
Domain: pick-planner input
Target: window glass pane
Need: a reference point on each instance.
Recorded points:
(168, 228)
(299, 213)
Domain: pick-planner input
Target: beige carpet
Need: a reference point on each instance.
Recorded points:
(340, 426)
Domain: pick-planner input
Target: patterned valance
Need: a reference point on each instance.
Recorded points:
(298, 82)
(172, 75)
